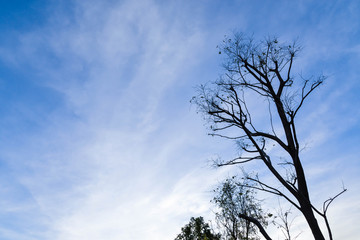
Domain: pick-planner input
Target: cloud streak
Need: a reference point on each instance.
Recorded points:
(116, 153)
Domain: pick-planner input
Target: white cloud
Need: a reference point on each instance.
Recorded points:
(95, 173)
(117, 161)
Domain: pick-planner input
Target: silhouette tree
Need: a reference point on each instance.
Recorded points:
(197, 229)
(235, 200)
(261, 72)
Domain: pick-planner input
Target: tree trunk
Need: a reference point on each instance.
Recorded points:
(304, 198)
(311, 220)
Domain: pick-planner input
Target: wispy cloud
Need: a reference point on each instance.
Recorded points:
(116, 153)
(93, 170)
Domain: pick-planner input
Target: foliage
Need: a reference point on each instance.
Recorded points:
(197, 229)
(234, 198)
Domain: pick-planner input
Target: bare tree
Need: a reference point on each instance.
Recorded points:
(284, 222)
(262, 71)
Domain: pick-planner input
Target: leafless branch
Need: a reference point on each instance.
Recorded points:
(304, 94)
(266, 188)
(238, 160)
(258, 224)
(325, 208)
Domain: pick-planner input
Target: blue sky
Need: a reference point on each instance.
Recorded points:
(98, 139)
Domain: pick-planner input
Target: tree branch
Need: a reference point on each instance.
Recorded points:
(257, 223)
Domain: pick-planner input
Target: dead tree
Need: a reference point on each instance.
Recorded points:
(262, 71)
